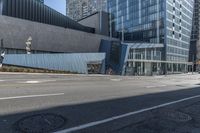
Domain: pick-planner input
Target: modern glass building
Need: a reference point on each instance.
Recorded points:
(194, 55)
(36, 11)
(167, 22)
(42, 1)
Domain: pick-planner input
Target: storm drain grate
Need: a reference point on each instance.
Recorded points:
(40, 123)
(177, 116)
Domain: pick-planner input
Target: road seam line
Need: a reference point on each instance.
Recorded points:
(31, 96)
(91, 124)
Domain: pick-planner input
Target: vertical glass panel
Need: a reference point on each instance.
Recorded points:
(1, 7)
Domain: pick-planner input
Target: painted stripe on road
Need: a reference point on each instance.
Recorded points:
(116, 80)
(2, 80)
(32, 82)
(92, 124)
(31, 96)
(150, 86)
(36, 81)
(156, 86)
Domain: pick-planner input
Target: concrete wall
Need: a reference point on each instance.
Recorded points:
(101, 24)
(92, 21)
(50, 38)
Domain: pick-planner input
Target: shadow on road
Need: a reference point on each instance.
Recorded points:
(78, 114)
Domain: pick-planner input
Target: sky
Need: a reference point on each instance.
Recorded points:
(59, 5)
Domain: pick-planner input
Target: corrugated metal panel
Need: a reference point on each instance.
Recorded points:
(36, 11)
(63, 62)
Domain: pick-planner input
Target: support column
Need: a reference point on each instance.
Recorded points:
(142, 68)
(185, 68)
(134, 54)
(157, 64)
(176, 67)
(152, 54)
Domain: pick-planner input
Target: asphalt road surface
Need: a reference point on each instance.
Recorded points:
(40, 103)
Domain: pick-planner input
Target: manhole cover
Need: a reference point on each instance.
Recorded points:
(41, 123)
(177, 116)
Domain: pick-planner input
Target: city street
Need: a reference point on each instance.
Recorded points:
(54, 57)
(99, 104)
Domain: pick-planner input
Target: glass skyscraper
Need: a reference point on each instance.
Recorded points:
(155, 21)
(78, 9)
(195, 37)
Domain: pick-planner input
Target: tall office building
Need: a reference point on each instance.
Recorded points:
(167, 22)
(78, 9)
(194, 55)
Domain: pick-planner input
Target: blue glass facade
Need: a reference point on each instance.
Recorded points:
(154, 21)
(138, 19)
(42, 1)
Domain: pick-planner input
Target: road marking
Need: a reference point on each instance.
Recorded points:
(116, 80)
(150, 86)
(32, 82)
(92, 124)
(36, 82)
(2, 80)
(31, 96)
(156, 86)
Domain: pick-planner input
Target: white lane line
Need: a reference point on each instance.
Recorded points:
(36, 81)
(156, 86)
(91, 124)
(2, 80)
(150, 86)
(116, 80)
(163, 85)
(32, 82)
(31, 96)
